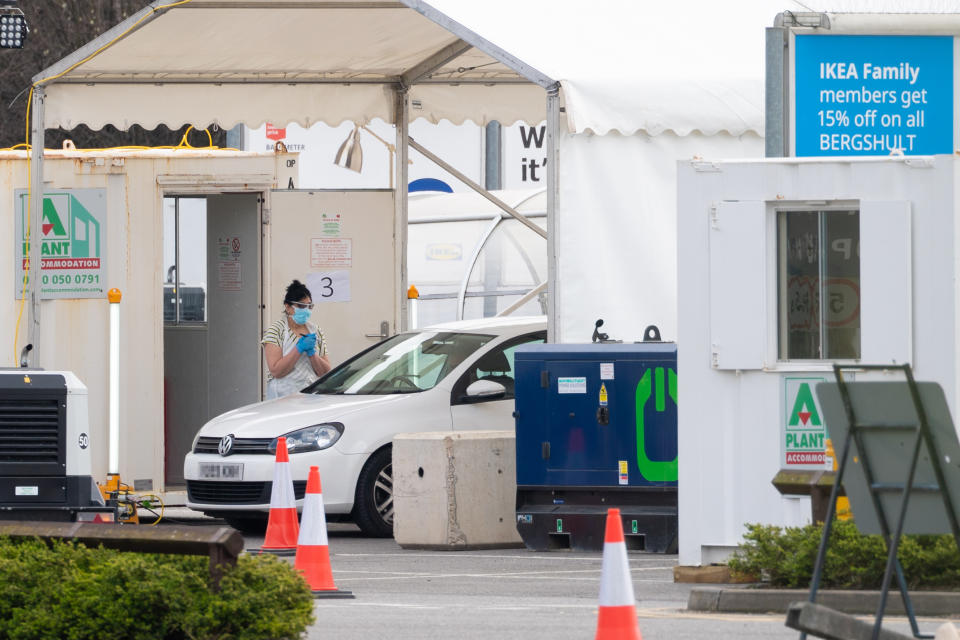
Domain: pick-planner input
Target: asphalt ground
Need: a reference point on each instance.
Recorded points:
(510, 593)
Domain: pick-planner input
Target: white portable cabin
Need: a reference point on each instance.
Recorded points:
(106, 223)
(788, 265)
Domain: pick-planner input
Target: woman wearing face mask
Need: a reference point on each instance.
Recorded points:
(294, 348)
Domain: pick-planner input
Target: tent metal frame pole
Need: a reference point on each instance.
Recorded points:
(553, 131)
(35, 213)
(481, 43)
(424, 68)
(402, 121)
(301, 4)
(472, 262)
(527, 297)
(473, 185)
(100, 78)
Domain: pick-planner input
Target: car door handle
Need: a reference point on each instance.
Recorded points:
(384, 331)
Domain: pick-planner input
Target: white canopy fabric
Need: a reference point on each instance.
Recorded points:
(624, 66)
(659, 105)
(201, 105)
(303, 61)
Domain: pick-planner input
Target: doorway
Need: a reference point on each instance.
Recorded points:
(211, 314)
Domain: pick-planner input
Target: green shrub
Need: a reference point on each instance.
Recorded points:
(68, 591)
(784, 557)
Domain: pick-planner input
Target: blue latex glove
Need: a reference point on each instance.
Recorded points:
(307, 344)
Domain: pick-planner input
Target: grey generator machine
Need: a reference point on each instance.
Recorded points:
(45, 470)
(596, 427)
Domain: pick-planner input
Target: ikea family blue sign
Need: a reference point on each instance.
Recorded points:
(873, 95)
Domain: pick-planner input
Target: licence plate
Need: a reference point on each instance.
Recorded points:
(221, 470)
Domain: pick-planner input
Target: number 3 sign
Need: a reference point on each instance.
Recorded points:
(329, 286)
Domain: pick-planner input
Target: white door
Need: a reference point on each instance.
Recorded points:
(496, 365)
(211, 299)
(341, 245)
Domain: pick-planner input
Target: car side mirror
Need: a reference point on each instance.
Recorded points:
(485, 390)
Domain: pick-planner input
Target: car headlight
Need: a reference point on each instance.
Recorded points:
(315, 438)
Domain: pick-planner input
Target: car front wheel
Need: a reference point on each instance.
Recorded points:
(373, 503)
(250, 525)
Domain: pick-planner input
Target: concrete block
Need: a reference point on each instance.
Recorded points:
(759, 600)
(455, 490)
(824, 622)
(704, 599)
(741, 600)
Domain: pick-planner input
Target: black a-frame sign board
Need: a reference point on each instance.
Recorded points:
(900, 466)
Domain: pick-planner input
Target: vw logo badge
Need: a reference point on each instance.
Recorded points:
(226, 445)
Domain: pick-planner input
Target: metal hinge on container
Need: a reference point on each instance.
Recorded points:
(920, 162)
(702, 166)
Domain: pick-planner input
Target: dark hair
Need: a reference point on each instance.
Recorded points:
(296, 292)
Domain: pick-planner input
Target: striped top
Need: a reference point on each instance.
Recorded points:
(279, 334)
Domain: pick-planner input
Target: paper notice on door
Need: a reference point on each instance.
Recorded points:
(229, 276)
(331, 253)
(331, 224)
(329, 286)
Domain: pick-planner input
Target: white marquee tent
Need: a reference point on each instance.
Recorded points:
(628, 90)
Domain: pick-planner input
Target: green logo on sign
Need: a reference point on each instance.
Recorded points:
(665, 382)
(804, 409)
(67, 230)
(52, 226)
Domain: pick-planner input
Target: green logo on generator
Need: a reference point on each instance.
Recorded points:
(656, 383)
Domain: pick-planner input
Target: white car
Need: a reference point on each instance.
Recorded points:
(454, 376)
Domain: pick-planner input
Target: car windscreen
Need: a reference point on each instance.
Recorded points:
(405, 363)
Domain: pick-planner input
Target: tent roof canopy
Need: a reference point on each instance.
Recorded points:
(312, 60)
(292, 40)
(224, 62)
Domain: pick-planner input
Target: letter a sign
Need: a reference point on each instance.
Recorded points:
(804, 408)
(802, 432)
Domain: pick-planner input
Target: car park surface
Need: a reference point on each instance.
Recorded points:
(455, 376)
(510, 593)
(406, 594)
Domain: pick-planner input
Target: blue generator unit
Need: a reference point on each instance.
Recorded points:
(596, 427)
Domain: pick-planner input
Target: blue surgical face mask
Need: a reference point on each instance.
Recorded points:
(300, 316)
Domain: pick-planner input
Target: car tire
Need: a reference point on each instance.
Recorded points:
(373, 502)
(253, 525)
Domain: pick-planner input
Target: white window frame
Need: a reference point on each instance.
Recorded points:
(774, 210)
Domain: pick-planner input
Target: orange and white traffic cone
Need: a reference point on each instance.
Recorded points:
(618, 614)
(313, 554)
(282, 526)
